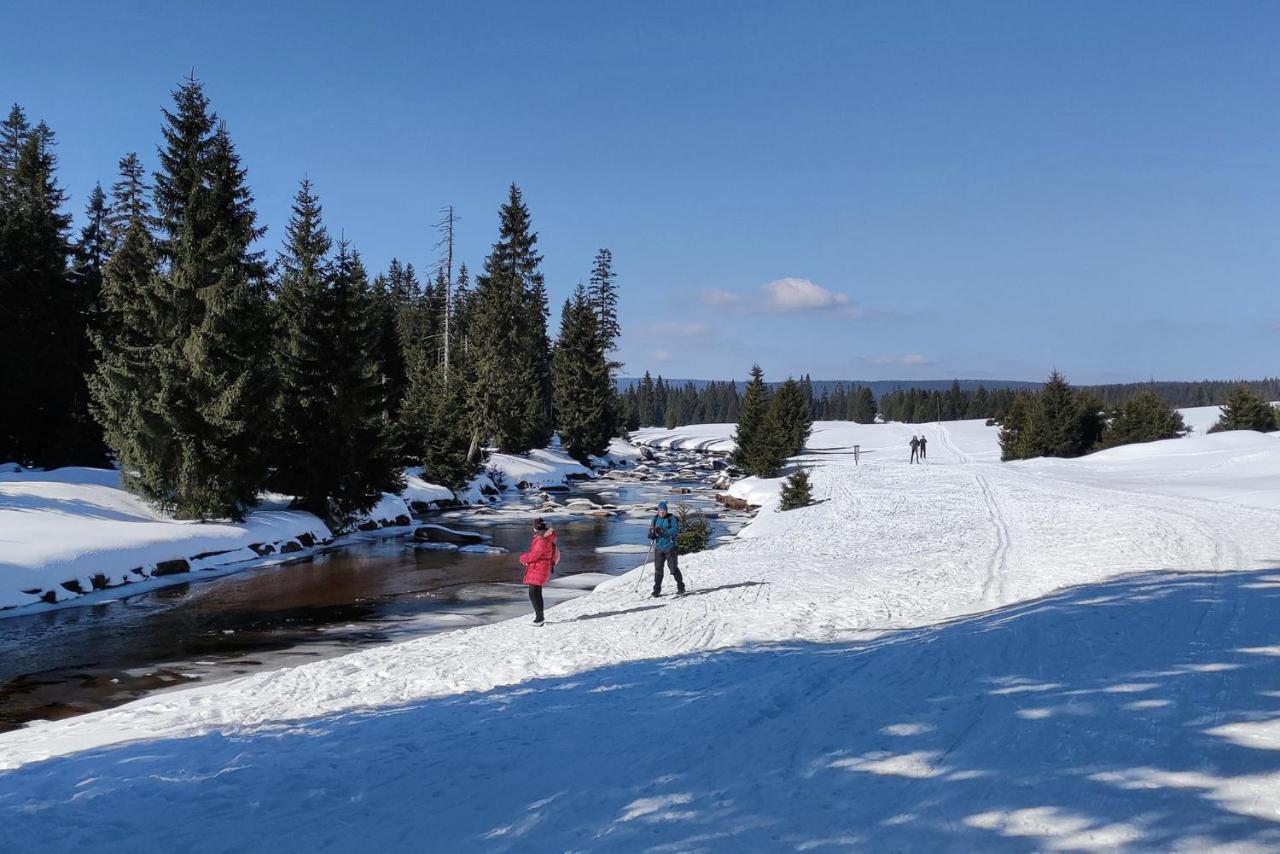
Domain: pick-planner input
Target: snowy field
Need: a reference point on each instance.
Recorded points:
(961, 655)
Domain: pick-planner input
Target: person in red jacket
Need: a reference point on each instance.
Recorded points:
(538, 562)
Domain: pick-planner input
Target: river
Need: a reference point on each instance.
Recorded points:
(372, 589)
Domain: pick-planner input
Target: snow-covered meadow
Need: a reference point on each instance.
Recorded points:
(961, 655)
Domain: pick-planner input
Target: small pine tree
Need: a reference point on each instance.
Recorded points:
(1145, 417)
(446, 457)
(695, 530)
(797, 490)
(1246, 410)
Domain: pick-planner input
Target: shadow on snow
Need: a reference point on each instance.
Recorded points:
(1087, 720)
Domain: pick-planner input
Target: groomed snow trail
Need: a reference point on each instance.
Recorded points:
(860, 706)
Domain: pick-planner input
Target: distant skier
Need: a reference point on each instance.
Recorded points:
(923, 447)
(915, 448)
(538, 562)
(663, 531)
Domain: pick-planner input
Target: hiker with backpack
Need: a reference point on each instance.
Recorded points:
(924, 448)
(539, 562)
(663, 531)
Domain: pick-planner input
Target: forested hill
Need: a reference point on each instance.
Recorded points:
(1178, 393)
(878, 387)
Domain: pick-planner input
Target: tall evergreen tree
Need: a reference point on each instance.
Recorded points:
(864, 406)
(791, 416)
(125, 386)
(336, 452)
(583, 386)
(44, 350)
(603, 294)
(212, 313)
(509, 337)
(760, 446)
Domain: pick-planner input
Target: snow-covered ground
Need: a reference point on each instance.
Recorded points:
(959, 655)
(75, 534)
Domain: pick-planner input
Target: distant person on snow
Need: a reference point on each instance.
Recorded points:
(915, 448)
(664, 531)
(539, 562)
(923, 447)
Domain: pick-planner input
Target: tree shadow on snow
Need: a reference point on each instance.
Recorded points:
(1142, 714)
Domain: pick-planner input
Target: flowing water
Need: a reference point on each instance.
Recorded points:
(372, 589)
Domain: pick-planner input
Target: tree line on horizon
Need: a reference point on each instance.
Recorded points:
(163, 338)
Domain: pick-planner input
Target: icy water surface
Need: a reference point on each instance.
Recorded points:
(379, 589)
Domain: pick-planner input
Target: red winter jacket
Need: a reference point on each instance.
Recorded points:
(540, 558)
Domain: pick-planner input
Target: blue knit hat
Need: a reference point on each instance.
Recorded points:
(662, 505)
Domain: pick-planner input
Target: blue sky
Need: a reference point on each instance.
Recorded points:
(852, 190)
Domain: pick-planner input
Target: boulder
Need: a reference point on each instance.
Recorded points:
(171, 567)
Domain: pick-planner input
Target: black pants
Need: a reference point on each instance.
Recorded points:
(660, 558)
(535, 596)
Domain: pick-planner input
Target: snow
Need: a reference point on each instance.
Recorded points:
(419, 491)
(537, 469)
(757, 491)
(959, 655)
(69, 525)
(620, 453)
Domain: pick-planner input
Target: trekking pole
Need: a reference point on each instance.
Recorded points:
(644, 569)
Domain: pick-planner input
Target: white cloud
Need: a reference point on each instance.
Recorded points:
(789, 294)
(720, 297)
(908, 360)
(661, 356)
(792, 294)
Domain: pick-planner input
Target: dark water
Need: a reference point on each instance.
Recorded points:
(379, 589)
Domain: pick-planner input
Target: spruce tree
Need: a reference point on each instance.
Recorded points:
(125, 385)
(791, 416)
(797, 490)
(130, 201)
(760, 444)
(1246, 410)
(212, 315)
(1142, 418)
(603, 294)
(446, 457)
(43, 314)
(864, 406)
(583, 387)
(1058, 425)
(336, 451)
(509, 336)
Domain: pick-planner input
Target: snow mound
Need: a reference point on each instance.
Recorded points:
(71, 531)
(421, 494)
(538, 469)
(757, 491)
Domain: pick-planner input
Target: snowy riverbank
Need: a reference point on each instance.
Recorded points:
(73, 535)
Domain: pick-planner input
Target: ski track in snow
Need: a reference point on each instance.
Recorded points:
(879, 671)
